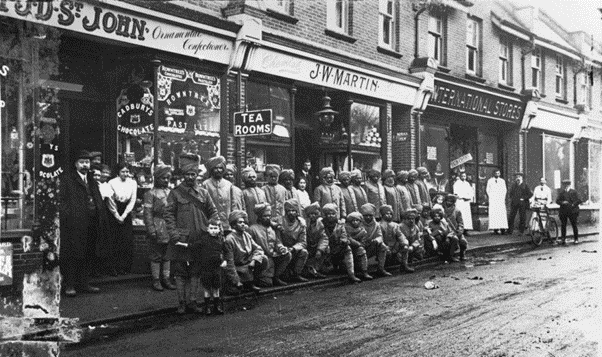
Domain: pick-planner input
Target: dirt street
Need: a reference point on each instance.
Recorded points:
(528, 302)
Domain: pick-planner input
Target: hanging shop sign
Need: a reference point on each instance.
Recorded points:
(330, 76)
(253, 123)
(117, 25)
(459, 161)
(463, 99)
(135, 114)
(189, 101)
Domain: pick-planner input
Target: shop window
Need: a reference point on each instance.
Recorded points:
(435, 153)
(436, 38)
(489, 150)
(595, 162)
(560, 77)
(338, 12)
(366, 139)
(536, 70)
(473, 52)
(257, 156)
(557, 161)
(386, 23)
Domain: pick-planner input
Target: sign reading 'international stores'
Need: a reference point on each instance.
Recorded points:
(451, 96)
(85, 18)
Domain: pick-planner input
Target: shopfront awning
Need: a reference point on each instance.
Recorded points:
(563, 123)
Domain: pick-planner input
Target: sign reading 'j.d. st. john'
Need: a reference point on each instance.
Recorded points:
(450, 96)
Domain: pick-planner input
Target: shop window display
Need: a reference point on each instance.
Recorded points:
(435, 154)
(557, 161)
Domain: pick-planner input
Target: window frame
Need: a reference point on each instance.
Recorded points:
(504, 62)
(332, 12)
(436, 37)
(473, 46)
(560, 75)
(383, 12)
(536, 68)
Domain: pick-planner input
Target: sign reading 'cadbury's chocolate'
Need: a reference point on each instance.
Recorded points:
(447, 95)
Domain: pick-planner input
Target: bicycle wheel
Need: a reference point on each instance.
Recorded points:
(536, 234)
(552, 230)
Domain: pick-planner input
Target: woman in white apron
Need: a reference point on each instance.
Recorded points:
(463, 189)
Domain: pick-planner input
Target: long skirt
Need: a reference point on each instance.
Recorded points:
(124, 241)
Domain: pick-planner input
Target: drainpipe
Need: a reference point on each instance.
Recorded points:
(418, 12)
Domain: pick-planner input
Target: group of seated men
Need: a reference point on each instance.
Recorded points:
(273, 240)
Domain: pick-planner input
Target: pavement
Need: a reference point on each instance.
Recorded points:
(131, 297)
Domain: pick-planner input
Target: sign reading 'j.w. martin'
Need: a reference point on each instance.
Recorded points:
(120, 26)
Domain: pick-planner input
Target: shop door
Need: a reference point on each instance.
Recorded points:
(307, 147)
(85, 128)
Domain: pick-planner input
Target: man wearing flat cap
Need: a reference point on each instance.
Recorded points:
(520, 194)
(294, 236)
(83, 218)
(220, 190)
(187, 214)
(279, 256)
(328, 192)
(356, 185)
(375, 191)
(374, 244)
(252, 195)
(569, 202)
(275, 193)
(95, 158)
(154, 203)
(237, 197)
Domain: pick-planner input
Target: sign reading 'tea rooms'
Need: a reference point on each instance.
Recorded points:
(253, 123)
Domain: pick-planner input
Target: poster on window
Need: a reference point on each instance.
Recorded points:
(189, 101)
(431, 153)
(6, 264)
(135, 113)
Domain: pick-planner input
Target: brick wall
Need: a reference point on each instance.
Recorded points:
(23, 263)
(402, 151)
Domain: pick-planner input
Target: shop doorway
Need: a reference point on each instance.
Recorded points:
(84, 127)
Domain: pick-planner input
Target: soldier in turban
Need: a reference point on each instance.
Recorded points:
(237, 197)
(375, 191)
(422, 182)
(317, 241)
(294, 237)
(339, 250)
(246, 260)
(275, 193)
(374, 243)
(348, 193)
(219, 189)
(357, 235)
(361, 197)
(455, 219)
(252, 195)
(394, 238)
(392, 195)
(413, 188)
(287, 179)
(154, 203)
(401, 185)
(328, 192)
(279, 256)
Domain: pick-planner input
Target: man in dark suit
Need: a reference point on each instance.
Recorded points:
(569, 202)
(306, 174)
(520, 194)
(83, 217)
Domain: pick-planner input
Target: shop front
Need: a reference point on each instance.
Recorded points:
(473, 130)
(330, 113)
(130, 83)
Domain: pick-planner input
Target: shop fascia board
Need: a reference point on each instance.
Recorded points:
(170, 18)
(411, 81)
(479, 89)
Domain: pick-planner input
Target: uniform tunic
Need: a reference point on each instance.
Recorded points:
(376, 195)
(154, 203)
(350, 200)
(275, 195)
(294, 235)
(406, 198)
(222, 195)
(241, 250)
(272, 247)
(332, 193)
(251, 197)
(393, 199)
(361, 198)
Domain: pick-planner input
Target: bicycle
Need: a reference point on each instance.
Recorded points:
(543, 226)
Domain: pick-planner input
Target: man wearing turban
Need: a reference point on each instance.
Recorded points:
(413, 188)
(357, 235)
(279, 256)
(189, 208)
(406, 198)
(392, 194)
(394, 238)
(348, 193)
(237, 197)
(339, 250)
(275, 193)
(374, 243)
(375, 191)
(317, 241)
(356, 185)
(328, 192)
(219, 189)
(417, 240)
(455, 219)
(294, 237)
(154, 203)
(252, 195)
(422, 182)
(245, 259)
(287, 179)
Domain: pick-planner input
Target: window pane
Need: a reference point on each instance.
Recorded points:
(365, 125)
(488, 149)
(535, 78)
(339, 13)
(556, 161)
(386, 31)
(264, 96)
(471, 59)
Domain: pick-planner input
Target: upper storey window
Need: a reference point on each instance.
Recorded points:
(338, 15)
(387, 24)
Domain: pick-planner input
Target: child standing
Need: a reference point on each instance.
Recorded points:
(210, 252)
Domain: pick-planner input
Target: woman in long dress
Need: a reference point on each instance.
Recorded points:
(121, 204)
(463, 189)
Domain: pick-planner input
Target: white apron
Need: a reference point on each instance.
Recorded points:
(496, 191)
(464, 191)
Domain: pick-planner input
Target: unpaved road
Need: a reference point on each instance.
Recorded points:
(530, 302)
